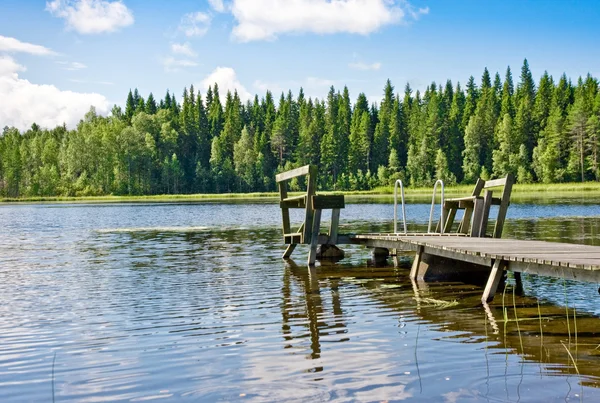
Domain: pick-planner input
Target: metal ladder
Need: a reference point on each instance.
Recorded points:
(399, 183)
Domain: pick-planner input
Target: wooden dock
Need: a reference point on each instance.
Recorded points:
(470, 243)
(570, 261)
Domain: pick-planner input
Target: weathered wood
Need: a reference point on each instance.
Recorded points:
(293, 202)
(334, 226)
(450, 214)
(311, 188)
(289, 250)
(312, 254)
(285, 213)
(465, 202)
(293, 238)
(284, 176)
(495, 183)
(415, 266)
(327, 202)
(487, 202)
(508, 184)
(493, 281)
(477, 216)
(478, 187)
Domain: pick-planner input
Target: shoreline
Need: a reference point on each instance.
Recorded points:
(521, 193)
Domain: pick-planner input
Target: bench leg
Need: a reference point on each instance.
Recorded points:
(314, 238)
(333, 228)
(289, 250)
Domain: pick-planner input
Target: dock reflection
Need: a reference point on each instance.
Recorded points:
(559, 339)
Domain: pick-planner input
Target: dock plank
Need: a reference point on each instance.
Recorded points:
(550, 255)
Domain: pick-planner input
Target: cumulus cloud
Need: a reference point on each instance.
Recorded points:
(365, 66)
(91, 16)
(226, 79)
(217, 5)
(195, 24)
(12, 45)
(316, 16)
(23, 103)
(173, 65)
(183, 49)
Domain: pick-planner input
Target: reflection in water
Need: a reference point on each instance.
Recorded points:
(135, 309)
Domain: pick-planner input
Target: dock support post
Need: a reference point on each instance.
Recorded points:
(314, 237)
(493, 281)
(415, 266)
(333, 227)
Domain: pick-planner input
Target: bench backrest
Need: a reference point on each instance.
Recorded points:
(504, 200)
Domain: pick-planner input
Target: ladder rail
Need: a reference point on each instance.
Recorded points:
(441, 182)
(399, 182)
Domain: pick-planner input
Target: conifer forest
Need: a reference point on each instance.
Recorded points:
(214, 143)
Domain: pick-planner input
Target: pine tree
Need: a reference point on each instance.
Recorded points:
(455, 141)
(382, 129)
(215, 112)
(507, 105)
(129, 107)
(470, 102)
(543, 100)
(151, 107)
(329, 144)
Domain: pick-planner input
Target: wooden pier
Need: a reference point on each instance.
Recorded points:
(469, 245)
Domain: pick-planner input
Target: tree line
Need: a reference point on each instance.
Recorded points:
(547, 132)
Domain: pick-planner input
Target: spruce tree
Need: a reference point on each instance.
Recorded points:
(151, 107)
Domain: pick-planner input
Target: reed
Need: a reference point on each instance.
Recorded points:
(53, 362)
(517, 321)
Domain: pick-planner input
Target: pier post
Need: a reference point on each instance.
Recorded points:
(314, 237)
(415, 266)
(493, 281)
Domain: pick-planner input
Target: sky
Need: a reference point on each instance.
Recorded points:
(58, 57)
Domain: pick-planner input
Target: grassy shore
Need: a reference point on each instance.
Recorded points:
(521, 193)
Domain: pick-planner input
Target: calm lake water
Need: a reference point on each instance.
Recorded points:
(135, 302)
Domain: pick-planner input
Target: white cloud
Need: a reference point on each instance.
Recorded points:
(365, 66)
(195, 24)
(78, 81)
(13, 45)
(314, 87)
(173, 65)
(23, 103)
(72, 66)
(217, 5)
(91, 16)
(183, 49)
(227, 80)
(265, 19)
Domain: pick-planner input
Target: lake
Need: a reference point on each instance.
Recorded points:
(176, 302)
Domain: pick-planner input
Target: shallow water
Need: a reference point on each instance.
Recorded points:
(134, 302)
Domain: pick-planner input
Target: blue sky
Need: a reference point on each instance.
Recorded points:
(57, 57)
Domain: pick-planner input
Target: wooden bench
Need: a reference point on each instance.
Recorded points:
(313, 205)
(477, 208)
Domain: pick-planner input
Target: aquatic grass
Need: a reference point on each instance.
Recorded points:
(517, 321)
(53, 362)
(417, 359)
(567, 310)
(440, 304)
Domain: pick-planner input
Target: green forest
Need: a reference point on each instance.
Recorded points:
(548, 133)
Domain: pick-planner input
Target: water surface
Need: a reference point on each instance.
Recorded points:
(135, 302)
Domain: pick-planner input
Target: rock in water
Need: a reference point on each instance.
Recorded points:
(329, 252)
